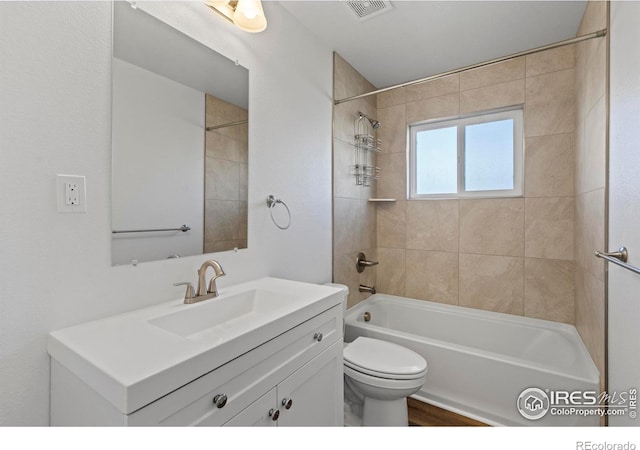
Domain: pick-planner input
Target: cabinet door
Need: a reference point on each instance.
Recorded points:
(313, 395)
(257, 413)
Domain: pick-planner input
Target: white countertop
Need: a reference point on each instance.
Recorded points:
(132, 362)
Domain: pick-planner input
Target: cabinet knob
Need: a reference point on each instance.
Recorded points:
(220, 400)
(318, 337)
(274, 414)
(287, 403)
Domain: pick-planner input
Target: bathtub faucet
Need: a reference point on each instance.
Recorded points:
(371, 289)
(362, 262)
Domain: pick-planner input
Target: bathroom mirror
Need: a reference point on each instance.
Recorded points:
(179, 143)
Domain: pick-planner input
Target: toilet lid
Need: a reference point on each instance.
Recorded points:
(384, 359)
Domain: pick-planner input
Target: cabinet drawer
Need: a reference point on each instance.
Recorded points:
(243, 379)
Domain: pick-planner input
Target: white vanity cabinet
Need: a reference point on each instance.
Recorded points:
(286, 363)
(311, 396)
(258, 414)
(292, 379)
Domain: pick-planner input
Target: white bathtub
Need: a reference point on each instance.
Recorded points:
(479, 362)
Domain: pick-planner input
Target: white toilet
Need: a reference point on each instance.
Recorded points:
(382, 375)
(385, 374)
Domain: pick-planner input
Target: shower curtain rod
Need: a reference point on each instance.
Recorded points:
(584, 37)
(225, 125)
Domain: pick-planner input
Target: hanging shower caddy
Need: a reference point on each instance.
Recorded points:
(366, 143)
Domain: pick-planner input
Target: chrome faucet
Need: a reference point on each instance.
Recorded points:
(202, 293)
(370, 289)
(362, 262)
(212, 290)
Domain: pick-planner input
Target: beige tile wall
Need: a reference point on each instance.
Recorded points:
(530, 256)
(226, 177)
(590, 184)
(512, 255)
(354, 218)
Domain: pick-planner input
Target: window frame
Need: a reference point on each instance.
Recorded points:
(460, 122)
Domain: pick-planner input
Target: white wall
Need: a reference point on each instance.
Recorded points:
(55, 97)
(157, 165)
(624, 201)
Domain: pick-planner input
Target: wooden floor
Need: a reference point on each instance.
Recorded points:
(425, 415)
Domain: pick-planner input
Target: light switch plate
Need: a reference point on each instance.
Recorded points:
(71, 193)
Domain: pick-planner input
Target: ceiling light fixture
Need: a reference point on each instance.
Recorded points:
(247, 15)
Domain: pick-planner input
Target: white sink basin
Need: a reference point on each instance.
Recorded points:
(239, 311)
(135, 358)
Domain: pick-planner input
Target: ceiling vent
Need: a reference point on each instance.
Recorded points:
(366, 9)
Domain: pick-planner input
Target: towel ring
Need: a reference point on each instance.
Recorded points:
(271, 203)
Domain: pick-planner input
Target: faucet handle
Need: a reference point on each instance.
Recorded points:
(362, 262)
(213, 289)
(189, 294)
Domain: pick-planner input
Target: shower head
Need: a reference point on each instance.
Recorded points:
(374, 123)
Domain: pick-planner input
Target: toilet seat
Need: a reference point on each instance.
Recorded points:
(383, 359)
(387, 384)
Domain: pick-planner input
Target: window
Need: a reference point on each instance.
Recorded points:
(475, 156)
